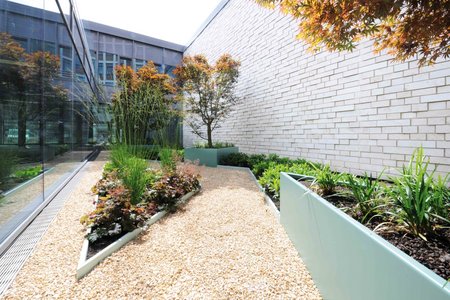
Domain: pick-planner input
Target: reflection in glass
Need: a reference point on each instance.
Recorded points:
(48, 112)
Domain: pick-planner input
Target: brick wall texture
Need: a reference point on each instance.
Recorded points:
(358, 111)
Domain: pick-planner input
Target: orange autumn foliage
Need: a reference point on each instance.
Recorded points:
(148, 74)
(208, 91)
(405, 28)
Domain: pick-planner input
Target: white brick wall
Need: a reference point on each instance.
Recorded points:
(358, 111)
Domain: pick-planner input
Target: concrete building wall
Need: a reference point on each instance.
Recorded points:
(359, 111)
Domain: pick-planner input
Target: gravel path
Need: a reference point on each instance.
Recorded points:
(224, 244)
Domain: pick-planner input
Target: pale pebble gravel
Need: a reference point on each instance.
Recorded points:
(223, 244)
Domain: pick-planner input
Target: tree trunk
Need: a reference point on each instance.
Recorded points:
(61, 125)
(22, 124)
(209, 132)
(78, 130)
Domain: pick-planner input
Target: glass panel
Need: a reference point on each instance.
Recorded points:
(23, 42)
(159, 68)
(139, 63)
(101, 72)
(125, 61)
(109, 71)
(110, 57)
(169, 70)
(48, 120)
(21, 182)
(80, 75)
(65, 55)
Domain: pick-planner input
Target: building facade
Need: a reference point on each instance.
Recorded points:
(56, 81)
(359, 111)
(40, 30)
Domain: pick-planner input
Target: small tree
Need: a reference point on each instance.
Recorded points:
(404, 27)
(29, 81)
(208, 91)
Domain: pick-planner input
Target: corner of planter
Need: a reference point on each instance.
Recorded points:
(86, 265)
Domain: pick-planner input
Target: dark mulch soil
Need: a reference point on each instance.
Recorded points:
(434, 254)
(101, 244)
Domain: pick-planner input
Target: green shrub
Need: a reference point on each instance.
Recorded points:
(270, 180)
(441, 196)
(8, 161)
(260, 165)
(23, 175)
(254, 159)
(168, 159)
(180, 153)
(135, 177)
(259, 168)
(61, 149)
(108, 168)
(119, 156)
(326, 179)
(131, 169)
(236, 159)
(414, 195)
(364, 190)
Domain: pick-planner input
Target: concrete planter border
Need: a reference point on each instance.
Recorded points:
(25, 183)
(346, 259)
(208, 157)
(86, 265)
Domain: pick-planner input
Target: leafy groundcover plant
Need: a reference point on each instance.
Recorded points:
(130, 193)
(411, 210)
(26, 174)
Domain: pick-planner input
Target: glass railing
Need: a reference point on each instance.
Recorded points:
(50, 113)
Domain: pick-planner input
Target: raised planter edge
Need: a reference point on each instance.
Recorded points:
(336, 248)
(86, 265)
(208, 156)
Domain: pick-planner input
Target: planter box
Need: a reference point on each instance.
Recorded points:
(86, 265)
(346, 259)
(208, 157)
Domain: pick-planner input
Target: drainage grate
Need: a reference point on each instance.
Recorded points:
(15, 256)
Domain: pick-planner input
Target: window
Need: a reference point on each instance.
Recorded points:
(139, 63)
(39, 45)
(169, 70)
(125, 61)
(79, 71)
(106, 65)
(94, 60)
(65, 54)
(109, 72)
(22, 41)
(101, 72)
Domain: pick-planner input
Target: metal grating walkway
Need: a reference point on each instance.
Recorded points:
(15, 256)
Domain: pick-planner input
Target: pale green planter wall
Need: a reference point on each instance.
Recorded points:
(346, 260)
(208, 157)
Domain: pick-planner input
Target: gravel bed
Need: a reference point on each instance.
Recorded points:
(223, 244)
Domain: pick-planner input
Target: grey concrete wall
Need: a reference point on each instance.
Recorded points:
(359, 111)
